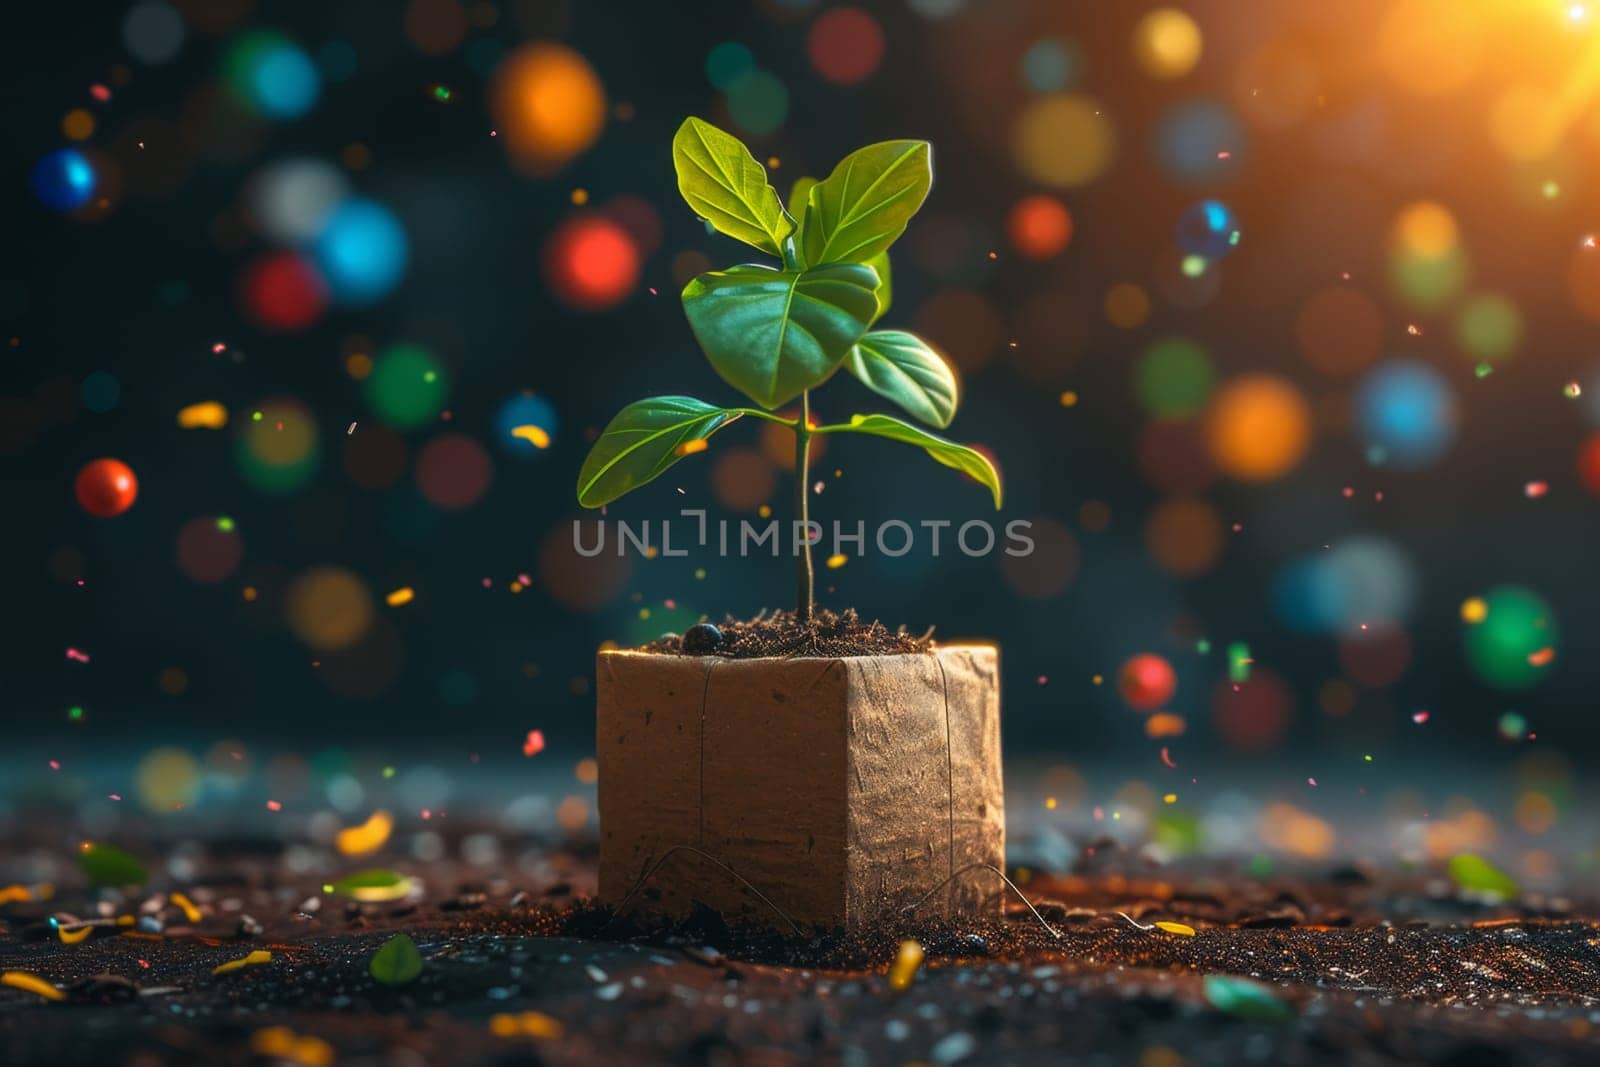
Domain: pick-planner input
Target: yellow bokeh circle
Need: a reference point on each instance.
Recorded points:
(328, 608)
(1064, 140)
(1167, 43)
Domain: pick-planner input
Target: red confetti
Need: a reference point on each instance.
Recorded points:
(534, 744)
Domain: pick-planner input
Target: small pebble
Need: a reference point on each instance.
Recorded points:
(701, 639)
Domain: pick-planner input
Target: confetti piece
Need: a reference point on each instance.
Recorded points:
(1542, 658)
(366, 838)
(1535, 490)
(537, 436)
(1419, 717)
(375, 886)
(1170, 798)
(905, 965)
(1312, 782)
(351, 430)
(1176, 928)
(1069, 399)
(282, 1043)
(689, 448)
(1572, 391)
(534, 1024)
(837, 560)
(1239, 662)
(274, 805)
(1474, 610)
(30, 983)
(190, 912)
(255, 959)
(72, 937)
(206, 415)
(400, 597)
(76, 656)
(1166, 757)
(1164, 724)
(1245, 999)
(534, 743)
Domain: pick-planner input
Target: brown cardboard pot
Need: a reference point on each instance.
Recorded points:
(842, 789)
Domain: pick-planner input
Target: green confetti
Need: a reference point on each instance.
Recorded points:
(1478, 875)
(1245, 999)
(397, 962)
(1239, 663)
(108, 865)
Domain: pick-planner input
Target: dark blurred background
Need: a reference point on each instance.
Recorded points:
(1336, 472)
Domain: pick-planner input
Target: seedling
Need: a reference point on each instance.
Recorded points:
(776, 333)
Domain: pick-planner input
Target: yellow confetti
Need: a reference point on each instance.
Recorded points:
(31, 983)
(689, 448)
(580, 196)
(400, 597)
(1069, 399)
(282, 1043)
(534, 1024)
(1474, 610)
(536, 436)
(1176, 928)
(905, 965)
(206, 415)
(72, 937)
(366, 838)
(837, 560)
(1170, 798)
(20, 894)
(190, 912)
(256, 958)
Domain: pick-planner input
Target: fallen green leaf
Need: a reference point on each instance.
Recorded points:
(1478, 875)
(1246, 999)
(397, 961)
(109, 865)
(373, 885)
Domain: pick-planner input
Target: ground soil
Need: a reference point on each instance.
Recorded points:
(1366, 970)
(781, 633)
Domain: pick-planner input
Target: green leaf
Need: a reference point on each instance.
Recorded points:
(109, 865)
(1245, 999)
(899, 366)
(374, 885)
(797, 196)
(969, 461)
(645, 438)
(863, 206)
(397, 961)
(724, 184)
(1478, 875)
(885, 290)
(774, 334)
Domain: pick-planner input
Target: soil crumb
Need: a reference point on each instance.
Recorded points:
(781, 633)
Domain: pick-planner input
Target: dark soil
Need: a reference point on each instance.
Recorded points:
(781, 633)
(518, 968)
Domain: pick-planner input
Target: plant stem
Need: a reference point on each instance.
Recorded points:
(804, 581)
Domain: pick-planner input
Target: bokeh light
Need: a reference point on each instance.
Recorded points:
(1513, 646)
(329, 608)
(742, 479)
(1039, 226)
(758, 103)
(1207, 228)
(1167, 43)
(1146, 681)
(209, 549)
(1050, 568)
(453, 472)
(278, 446)
(1174, 378)
(1406, 414)
(362, 251)
(845, 45)
(591, 263)
(727, 62)
(1489, 327)
(291, 200)
(1052, 64)
(435, 27)
(1363, 581)
(1064, 141)
(283, 292)
(1431, 47)
(1200, 141)
(64, 180)
(408, 387)
(1253, 716)
(1184, 536)
(549, 105)
(271, 75)
(1258, 427)
(152, 32)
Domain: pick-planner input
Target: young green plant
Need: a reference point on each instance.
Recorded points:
(777, 332)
